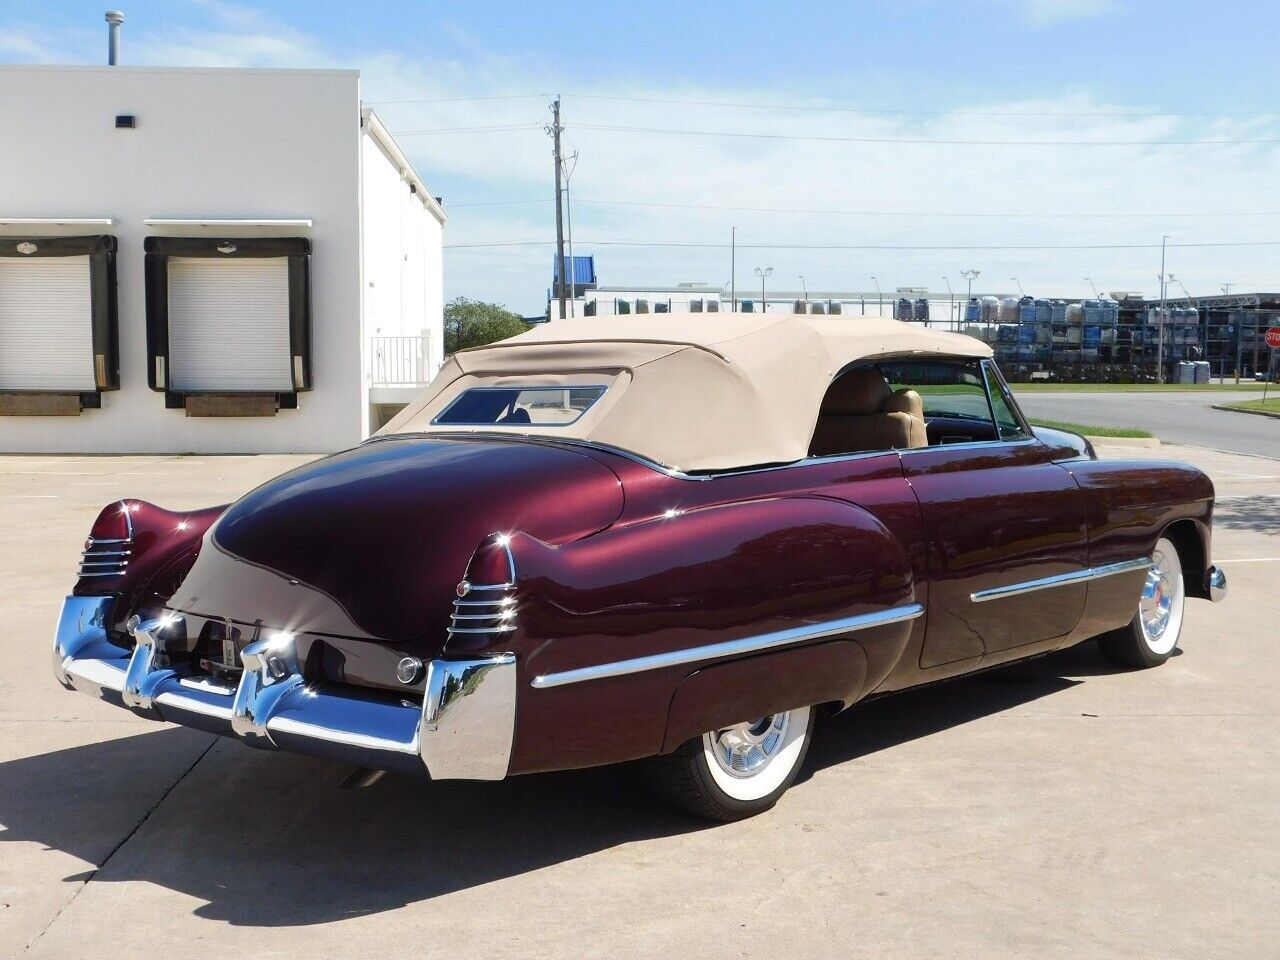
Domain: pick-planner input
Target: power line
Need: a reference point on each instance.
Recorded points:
(820, 108)
(503, 96)
(832, 108)
(530, 125)
(836, 246)
(873, 213)
(751, 135)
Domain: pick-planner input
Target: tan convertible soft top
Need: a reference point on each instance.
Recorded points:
(693, 391)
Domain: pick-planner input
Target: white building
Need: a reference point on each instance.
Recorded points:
(207, 260)
(588, 297)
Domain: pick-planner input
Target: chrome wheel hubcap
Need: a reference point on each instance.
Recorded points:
(1156, 604)
(745, 749)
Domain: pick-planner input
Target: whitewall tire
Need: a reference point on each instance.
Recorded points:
(1152, 636)
(738, 771)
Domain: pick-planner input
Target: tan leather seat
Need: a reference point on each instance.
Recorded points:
(855, 416)
(906, 401)
(911, 403)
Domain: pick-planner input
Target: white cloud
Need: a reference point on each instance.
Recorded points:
(1163, 189)
(1014, 183)
(26, 45)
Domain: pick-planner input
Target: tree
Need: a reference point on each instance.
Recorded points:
(472, 323)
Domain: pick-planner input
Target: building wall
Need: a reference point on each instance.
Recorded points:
(403, 246)
(403, 283)
(209, 143)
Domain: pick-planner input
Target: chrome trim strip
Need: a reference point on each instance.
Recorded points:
(731, 648)
(503, 629)
(1061, 580)
(675, 472)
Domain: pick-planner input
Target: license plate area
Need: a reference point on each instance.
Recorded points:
(218, 651)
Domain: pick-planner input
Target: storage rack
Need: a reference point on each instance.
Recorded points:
(1121, 344)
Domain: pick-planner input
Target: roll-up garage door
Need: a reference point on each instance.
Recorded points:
(229, 325)
(46, 324)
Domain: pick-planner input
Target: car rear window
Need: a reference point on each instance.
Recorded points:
(511, 406)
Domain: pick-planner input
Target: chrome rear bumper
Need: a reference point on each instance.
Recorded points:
(463, 729)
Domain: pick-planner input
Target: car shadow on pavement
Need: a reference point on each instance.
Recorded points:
(266, 840)
(1257, 513)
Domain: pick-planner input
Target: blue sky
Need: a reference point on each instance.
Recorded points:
(1069, 73)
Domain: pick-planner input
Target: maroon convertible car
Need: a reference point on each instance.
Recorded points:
(681, 538)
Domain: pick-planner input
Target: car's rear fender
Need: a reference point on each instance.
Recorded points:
(604, 626)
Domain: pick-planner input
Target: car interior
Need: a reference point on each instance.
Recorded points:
(908, 404)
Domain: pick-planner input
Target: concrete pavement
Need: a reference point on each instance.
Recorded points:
(1186, 418)
(1054, 809)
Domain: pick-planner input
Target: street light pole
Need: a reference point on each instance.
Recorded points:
(762, 273)
(1021, 292)
(1094, 285)
(733, 269)
(805, 288)
(1164, 314)
(951, 300)
(970, 275)
(879, 299)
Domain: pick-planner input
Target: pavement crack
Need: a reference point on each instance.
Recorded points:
(116, 849)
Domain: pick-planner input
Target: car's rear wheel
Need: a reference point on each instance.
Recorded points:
(1152, 636)
(738, 771)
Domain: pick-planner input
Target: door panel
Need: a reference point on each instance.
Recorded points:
(996, 516)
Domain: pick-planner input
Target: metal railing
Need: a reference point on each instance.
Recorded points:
(400, 361)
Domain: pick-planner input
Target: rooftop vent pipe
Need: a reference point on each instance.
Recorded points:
(114, 18)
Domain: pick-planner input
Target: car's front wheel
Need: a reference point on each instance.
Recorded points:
(1152, 635)
(738, 771)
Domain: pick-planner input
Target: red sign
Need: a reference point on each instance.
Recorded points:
(1273, 338)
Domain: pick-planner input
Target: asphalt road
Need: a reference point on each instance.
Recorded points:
(1187, 418)
(1058, 810)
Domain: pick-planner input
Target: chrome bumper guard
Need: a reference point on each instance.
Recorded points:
(1216, 581)
(463, 729)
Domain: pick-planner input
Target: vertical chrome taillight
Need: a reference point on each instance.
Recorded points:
(486, 601)
(110, 543)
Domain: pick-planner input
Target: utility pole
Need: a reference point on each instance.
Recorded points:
(733, 269)
(554, 130)
(1164, 315)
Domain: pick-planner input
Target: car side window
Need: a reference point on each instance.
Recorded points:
(954, 393)
(1007, 421)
